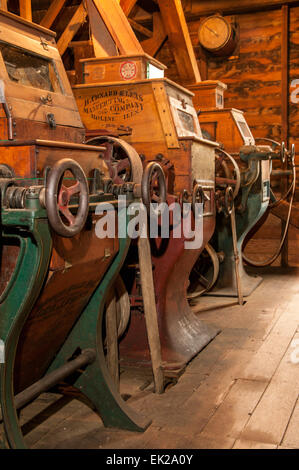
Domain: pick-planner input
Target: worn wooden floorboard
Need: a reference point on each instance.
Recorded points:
(271, 418)
(240, 392)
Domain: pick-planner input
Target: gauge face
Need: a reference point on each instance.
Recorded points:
(214, 33)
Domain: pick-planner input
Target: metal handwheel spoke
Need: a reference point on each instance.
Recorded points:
(205, 272)
(220, 160)
(123, 161)
(67, 214)
(203, 280)
(122, 165)
(229, 176)
(71, 190)
(156, 198)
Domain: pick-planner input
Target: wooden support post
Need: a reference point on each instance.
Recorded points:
(112, 338)
(203, 65)
(75, 23)
(102, 41)
(118, 26)
(284, 107)
(25, 9)
(178, 34)
(51, 15)
(150, 311)
(3, 5)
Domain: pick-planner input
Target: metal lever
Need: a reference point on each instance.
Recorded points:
(230, 210)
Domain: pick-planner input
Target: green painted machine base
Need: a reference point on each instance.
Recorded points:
(249, 284)
(32, 230)
(95, 382)
(226, 284)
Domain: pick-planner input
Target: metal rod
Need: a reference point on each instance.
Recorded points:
(236, 256)
(86, 357)
(9, 119)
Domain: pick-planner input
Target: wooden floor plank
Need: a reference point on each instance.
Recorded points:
(242, 444)
(233, 414)
(291, 438)
(269, 355)
(210, 406)
(271, 417)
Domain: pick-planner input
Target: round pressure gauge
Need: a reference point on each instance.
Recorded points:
(217, 35)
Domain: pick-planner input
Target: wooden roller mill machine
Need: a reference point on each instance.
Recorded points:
(128, 93)
(250, 163)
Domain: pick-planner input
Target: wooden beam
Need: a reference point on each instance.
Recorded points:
(103, 43)
(127, 6)
(3, 5)
(75, 23)
(141, 29)
(178, 34)
(151, 46)
(51, 15)
(150, 311)
(118, 26)
(25, 9)
(206, 7)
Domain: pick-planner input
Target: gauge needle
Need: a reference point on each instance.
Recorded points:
(212, 31)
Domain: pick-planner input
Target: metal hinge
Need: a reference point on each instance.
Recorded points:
(44, 43)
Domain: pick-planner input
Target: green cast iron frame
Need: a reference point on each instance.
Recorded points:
(30, 227)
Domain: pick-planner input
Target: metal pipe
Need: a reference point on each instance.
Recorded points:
(23, 398)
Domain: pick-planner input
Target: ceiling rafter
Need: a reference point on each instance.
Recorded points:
(178, 34)
(73, 26)
(52, 13)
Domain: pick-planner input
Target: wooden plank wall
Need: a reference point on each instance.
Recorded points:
(253, 78)
(294, 75)
(254, 75)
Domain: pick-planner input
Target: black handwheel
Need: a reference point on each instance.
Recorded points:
(153, 185)
(58, 197)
